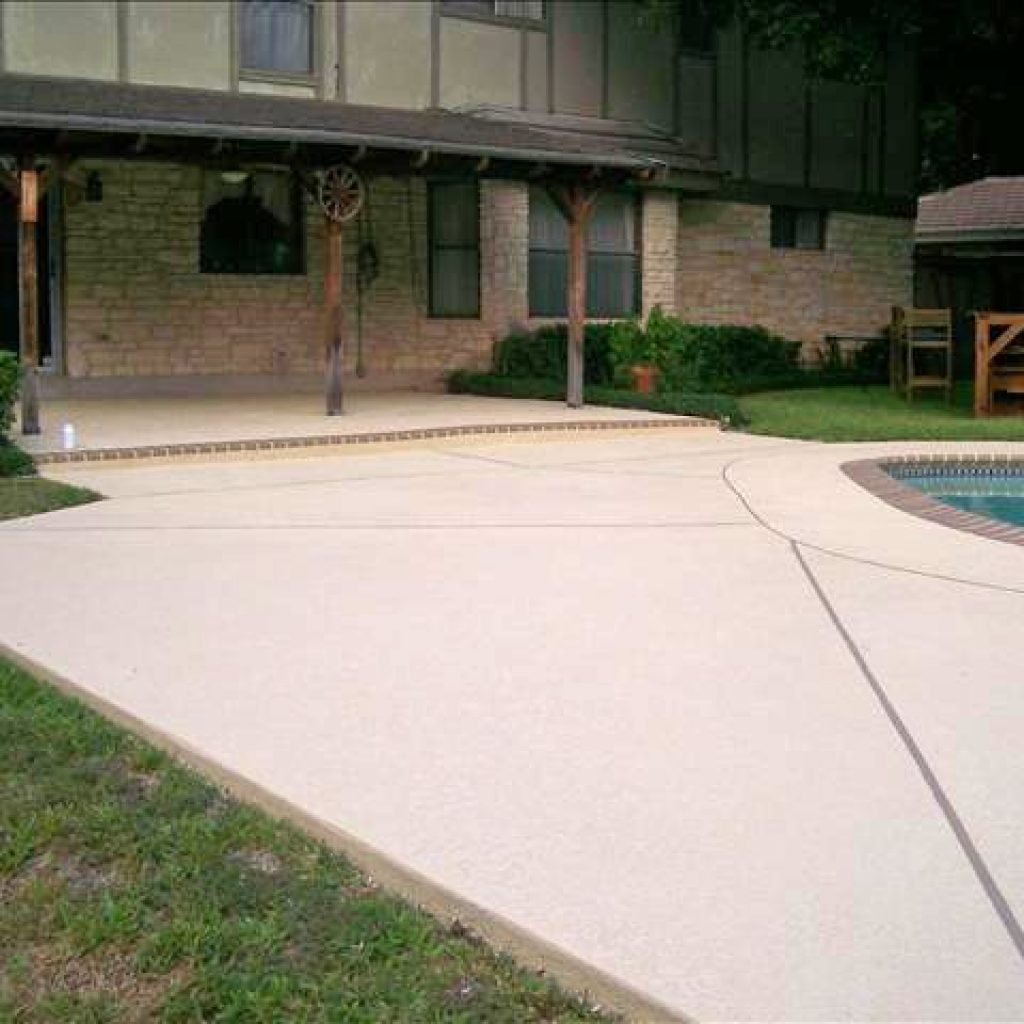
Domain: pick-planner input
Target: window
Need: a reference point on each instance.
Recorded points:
(277, 36)
(523, 10)
(253, 226)
(454, 233)
(793, 228)
(696, 28)
(613, 256)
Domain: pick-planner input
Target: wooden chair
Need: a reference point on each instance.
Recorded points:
(921, 350)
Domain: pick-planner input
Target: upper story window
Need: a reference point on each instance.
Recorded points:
(277, 36)
(696, 28)
(613, 256)
(794, 228)
(252, 224)
(520, 10)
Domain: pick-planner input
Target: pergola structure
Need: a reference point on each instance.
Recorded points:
(46, 125)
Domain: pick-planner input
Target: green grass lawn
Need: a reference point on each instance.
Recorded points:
(874, 414)
(130, 889)
(30, 495)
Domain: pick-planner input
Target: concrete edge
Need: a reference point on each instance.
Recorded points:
(873, 476)
(529, 950)
(202, 448)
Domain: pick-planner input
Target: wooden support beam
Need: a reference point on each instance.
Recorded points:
(28, 292)
(576, 203)
(332, 317)
(982, 389)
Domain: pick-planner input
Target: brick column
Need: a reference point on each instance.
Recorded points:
(660, 237)
(504, 254)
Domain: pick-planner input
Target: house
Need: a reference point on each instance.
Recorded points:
(969, 253)
(177, 149)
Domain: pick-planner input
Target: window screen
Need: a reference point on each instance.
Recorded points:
(613, 256)
(529, 10)
(277, 36)
(454, 231)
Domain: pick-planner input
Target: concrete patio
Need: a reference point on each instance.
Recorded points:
(126, 424)
(690, 711)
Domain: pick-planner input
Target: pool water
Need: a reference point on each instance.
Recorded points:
(996, 492)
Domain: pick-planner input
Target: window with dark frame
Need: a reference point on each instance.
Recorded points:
(253, 225)
(522, 10)
(795, 228)
(695, 28)
(276, 36)
(453, 230)
(613, 256)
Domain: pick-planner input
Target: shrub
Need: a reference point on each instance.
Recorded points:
(15, 462)
(701, 357)
(543, 354)
(723, 408)
(10, 380)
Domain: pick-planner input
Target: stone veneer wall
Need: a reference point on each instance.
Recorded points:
(137, 305)
(660, 250)
(729, 273)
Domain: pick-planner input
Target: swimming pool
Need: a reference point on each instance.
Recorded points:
(986, 489)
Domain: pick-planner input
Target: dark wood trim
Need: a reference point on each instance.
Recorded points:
(606, 59)
(813, 199)
(341, 61)
(865, 127)
(744, 102)
(121, 45)
(808, 154)
(883, 141)
(435, 53)
(524, 58)
(235, 44)
(549, 17)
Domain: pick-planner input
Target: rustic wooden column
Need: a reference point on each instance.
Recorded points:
(982, 391)
(576, 203)
(28, 291)
(332, 316)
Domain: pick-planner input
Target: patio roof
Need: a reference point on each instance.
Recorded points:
(74, 115)
(988, 210)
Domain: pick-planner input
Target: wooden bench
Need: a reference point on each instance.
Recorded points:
(998, 358)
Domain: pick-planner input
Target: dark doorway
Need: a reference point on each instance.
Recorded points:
(10, 326)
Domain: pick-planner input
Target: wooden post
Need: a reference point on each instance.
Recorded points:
(332, 316)
(28, 209)
(982, 389)
(576, 202)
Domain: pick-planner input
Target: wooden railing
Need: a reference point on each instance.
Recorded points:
(998, 358)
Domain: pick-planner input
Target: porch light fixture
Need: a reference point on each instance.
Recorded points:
(233, 176)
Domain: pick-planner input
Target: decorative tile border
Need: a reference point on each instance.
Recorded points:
(199, 448)
(875, 476)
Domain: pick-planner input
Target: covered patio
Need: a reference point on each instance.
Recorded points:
(205, 425)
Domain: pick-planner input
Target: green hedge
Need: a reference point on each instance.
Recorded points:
(723, 408)
(15, 462)
(10, 380)
(543, 354)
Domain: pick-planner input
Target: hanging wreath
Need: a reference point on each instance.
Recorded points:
(341, 193)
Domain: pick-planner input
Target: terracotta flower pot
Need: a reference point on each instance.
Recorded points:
(644, 377)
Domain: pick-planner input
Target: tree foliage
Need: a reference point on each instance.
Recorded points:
(968, 55)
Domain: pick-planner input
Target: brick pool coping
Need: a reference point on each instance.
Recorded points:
(200, 448)
(874, 476)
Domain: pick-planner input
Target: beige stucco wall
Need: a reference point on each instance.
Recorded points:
(294, 90)
(179, 42)
(77, 38)
(729, 273)
(479, 63)
(137, 305)
(387, 53)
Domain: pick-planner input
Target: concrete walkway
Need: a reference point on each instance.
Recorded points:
(692, 707)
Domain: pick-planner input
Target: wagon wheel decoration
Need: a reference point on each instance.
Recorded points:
(341, 193)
